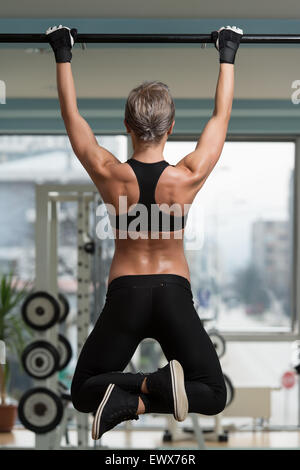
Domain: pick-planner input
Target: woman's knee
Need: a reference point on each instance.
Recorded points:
(86, 394)
(220, 406)
(79, 403)
(214, 409)
(213, 403)
(221, 400)
(78, 400)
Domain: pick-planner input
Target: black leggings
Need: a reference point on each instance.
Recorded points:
(158, 306)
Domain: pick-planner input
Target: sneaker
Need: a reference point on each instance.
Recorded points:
(116, 406)
(168, 383)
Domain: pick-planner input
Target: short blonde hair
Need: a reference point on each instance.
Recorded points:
(150, 110)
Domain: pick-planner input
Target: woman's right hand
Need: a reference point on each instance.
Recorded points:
(227, 40)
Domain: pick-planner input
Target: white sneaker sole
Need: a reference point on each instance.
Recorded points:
(97, 418)
(179, 394)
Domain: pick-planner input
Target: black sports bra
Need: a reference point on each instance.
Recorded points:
(147, 217)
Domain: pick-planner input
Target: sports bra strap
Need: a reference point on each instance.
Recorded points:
(147, 175)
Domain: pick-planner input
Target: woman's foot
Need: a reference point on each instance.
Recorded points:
(117, 406)
(168, 383)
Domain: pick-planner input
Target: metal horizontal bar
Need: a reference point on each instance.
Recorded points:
(154, 38)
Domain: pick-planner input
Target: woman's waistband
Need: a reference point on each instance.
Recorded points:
(148, 280)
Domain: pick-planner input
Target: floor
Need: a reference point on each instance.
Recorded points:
(118, 439)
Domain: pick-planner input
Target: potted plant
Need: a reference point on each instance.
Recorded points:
(14, 333)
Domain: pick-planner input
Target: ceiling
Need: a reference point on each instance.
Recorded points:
(151, 9)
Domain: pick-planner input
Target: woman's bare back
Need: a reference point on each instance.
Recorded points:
(148, 252)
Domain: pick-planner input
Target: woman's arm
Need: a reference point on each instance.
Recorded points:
(94, 158)
(210, 145)
(202, 160)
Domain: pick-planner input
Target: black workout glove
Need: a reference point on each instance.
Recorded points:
(61, 39)
(227, 41)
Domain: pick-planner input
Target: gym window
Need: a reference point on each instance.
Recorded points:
(243, 272)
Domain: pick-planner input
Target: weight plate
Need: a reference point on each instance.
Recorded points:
(40, 359)
(40, 310)
(40, 410)
(64, 307)
(64, 351)
(230, 389)
(218, 342)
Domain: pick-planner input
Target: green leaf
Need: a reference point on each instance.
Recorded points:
(13, 330)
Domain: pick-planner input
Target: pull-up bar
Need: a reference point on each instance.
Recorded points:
(154, 38)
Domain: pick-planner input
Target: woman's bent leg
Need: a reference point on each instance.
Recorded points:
(182, 336)
(107, 351)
